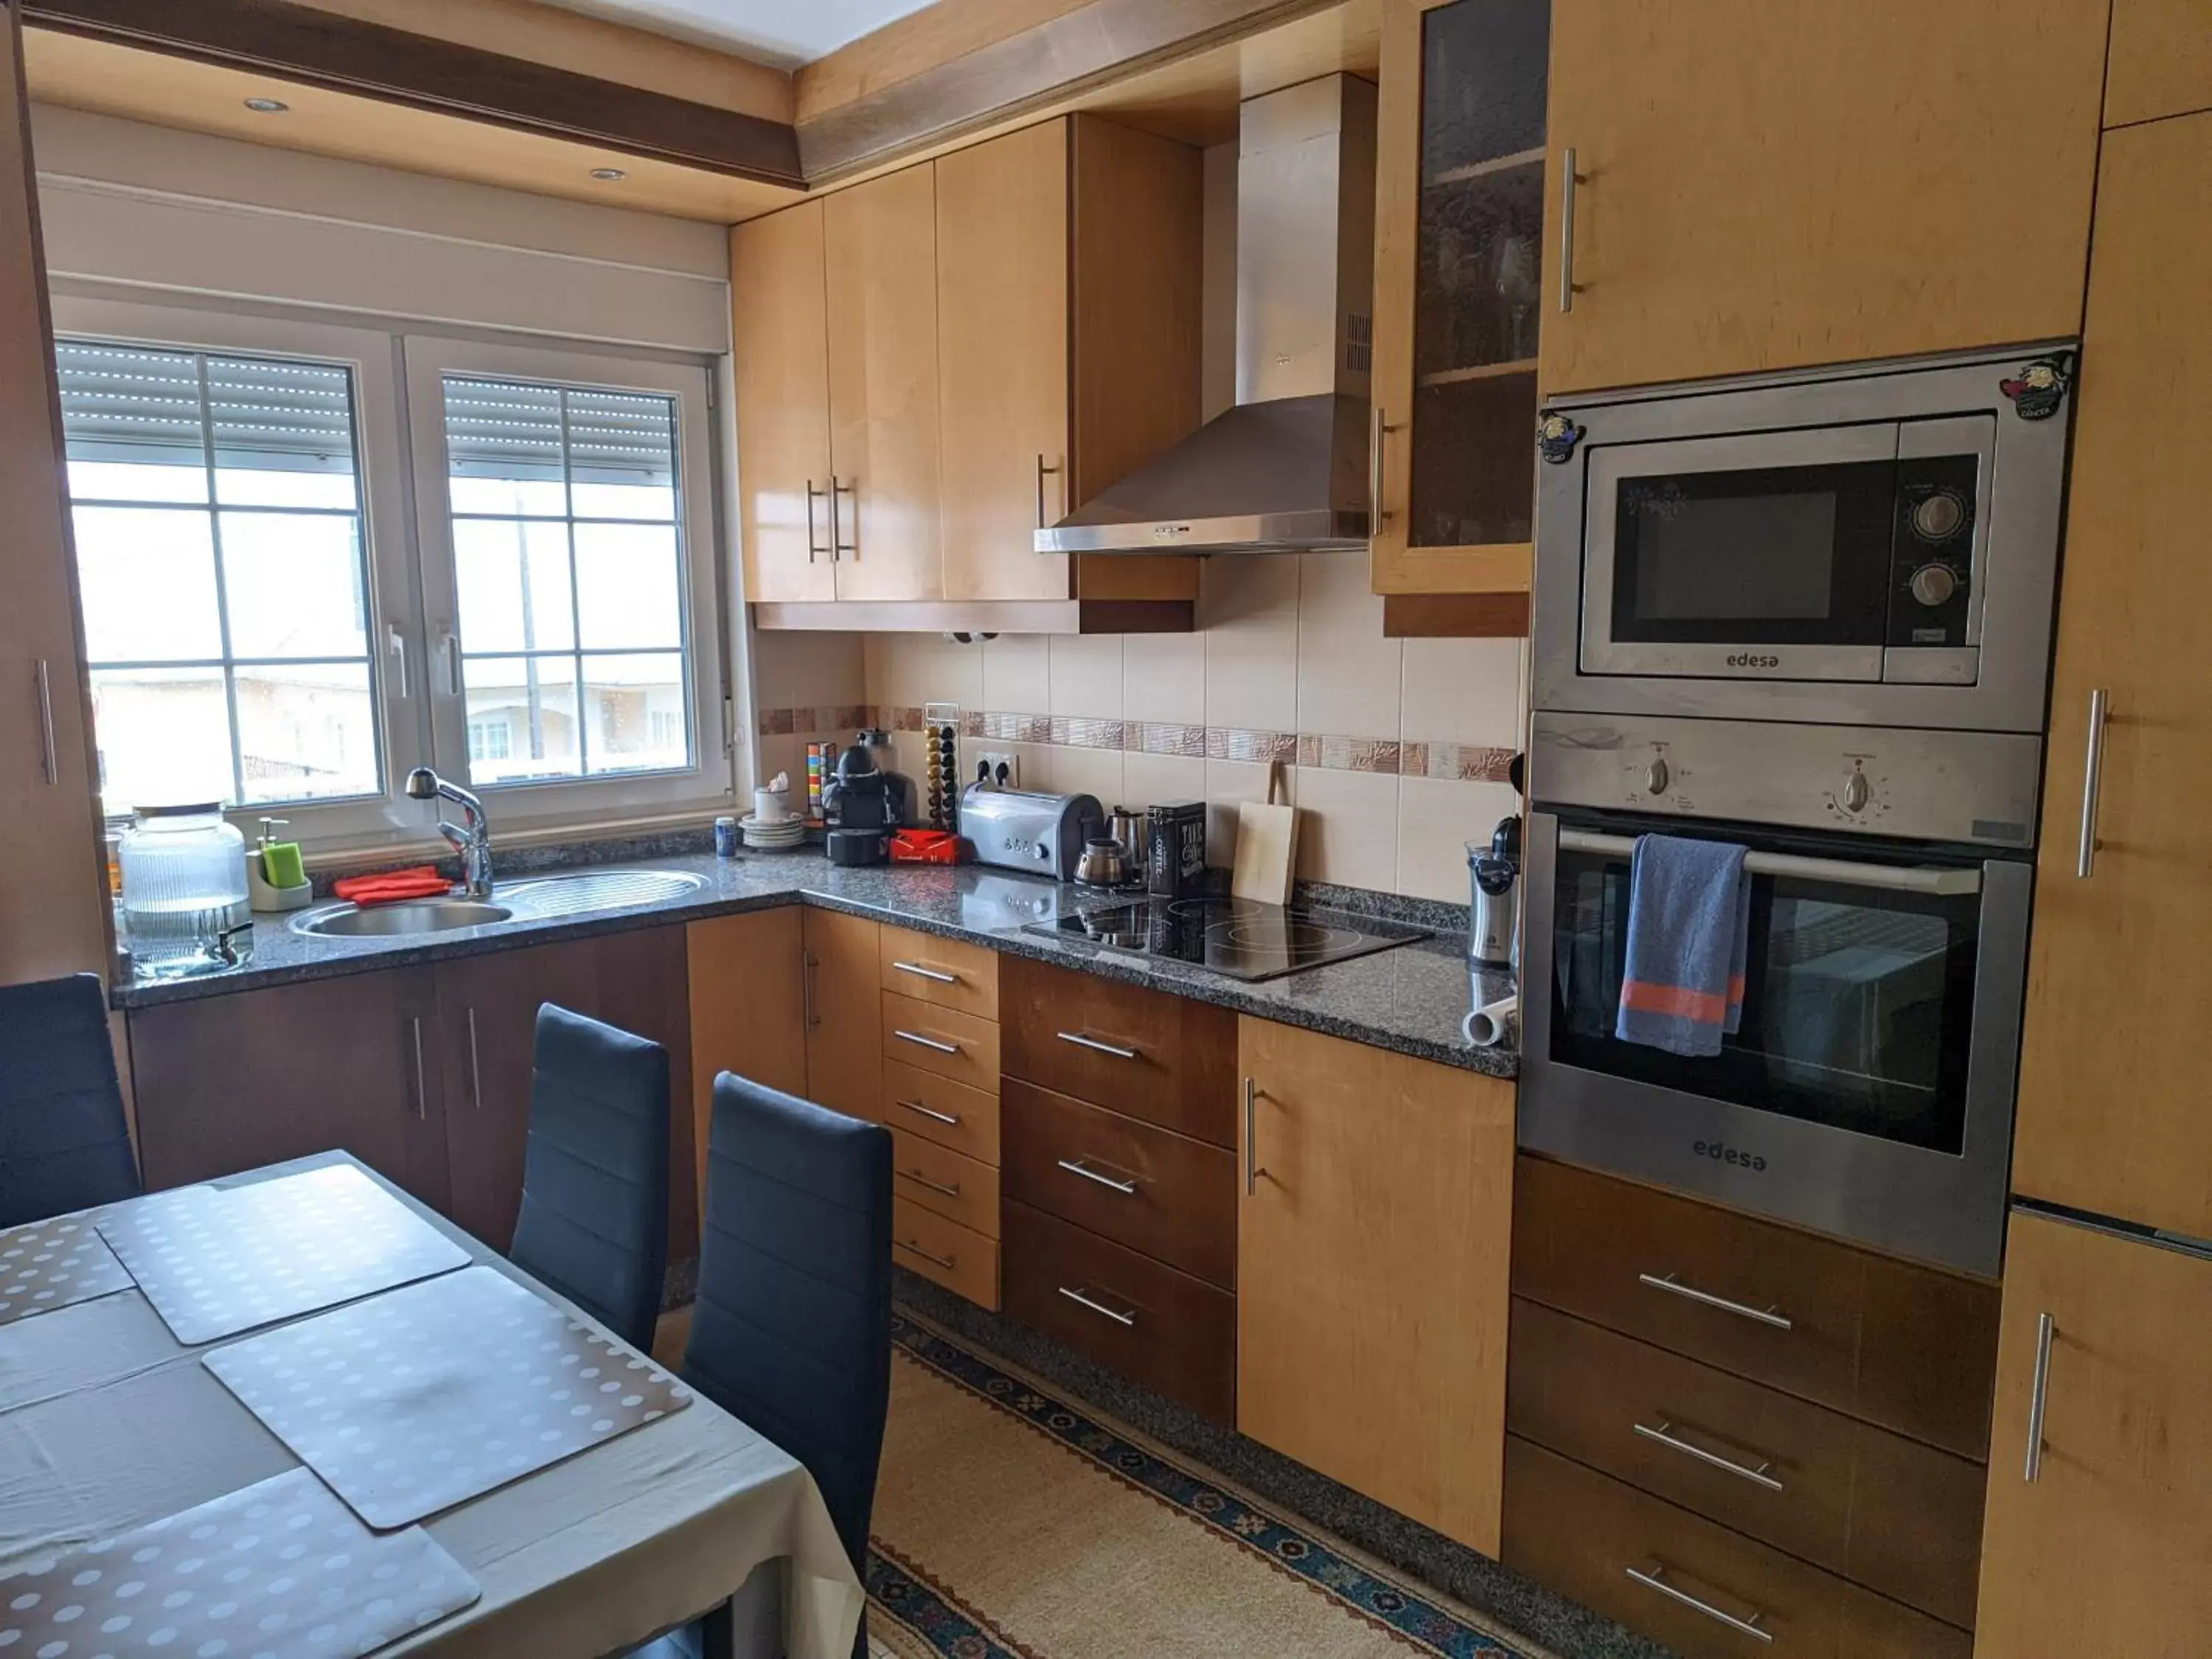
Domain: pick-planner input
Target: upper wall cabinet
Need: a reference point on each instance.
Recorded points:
(1458, 294)
(936, 364)
(2161, 60)
(1763, 183)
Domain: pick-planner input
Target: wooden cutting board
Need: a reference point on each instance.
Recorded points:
(1267, 846)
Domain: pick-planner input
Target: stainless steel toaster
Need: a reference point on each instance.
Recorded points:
(1024, 829)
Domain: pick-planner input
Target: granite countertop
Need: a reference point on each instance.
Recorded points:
(1411, 999)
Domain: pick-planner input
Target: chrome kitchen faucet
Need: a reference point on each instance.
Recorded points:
(471, 837)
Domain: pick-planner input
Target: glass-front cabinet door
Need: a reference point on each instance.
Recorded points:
(1459, 269)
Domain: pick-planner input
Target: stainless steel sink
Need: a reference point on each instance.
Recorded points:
(432, 915)
(597, 890)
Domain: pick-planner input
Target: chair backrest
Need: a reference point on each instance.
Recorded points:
(792, 1329)
(594, 1221)
(63, 1142)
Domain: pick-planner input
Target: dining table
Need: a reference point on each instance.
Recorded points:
(108, 1424)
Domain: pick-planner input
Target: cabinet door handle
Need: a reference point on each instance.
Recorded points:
(1042, 473)
(476, 1070)
(1664, 1435)
(1568, 180)
(48, 755)
(1097, 1047)
(422, 1088)
(1082, 1298)
(813, 496)
(838, 545)
(1081, 1166)
(1668, 1283)
(929, 1042)
(921, 1180)
(1654, 1577)
(2093, 782)
(1376, 477)
(921, 972)
(807, 966)
(947, 1262)
(2039, 1394)
(950, 1120)
(1253, 1169)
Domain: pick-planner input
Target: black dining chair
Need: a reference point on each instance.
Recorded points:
(594, 1222)
(63, 1141)
(792, 1329)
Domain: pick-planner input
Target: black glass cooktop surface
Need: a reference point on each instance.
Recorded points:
(1241, 938)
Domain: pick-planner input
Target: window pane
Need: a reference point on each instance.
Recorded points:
(622, 450)
(628, 586)
(284, 432)
(307, 732)
(513, 578)
(635, 712)
(130, 421)
(527, 708)
(293, 583)
(148, 578)
(503, 452)
(164, 737)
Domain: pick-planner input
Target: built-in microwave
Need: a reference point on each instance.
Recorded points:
(1873, 546)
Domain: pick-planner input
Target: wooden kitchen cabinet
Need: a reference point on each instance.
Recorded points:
(843, 1013)
(1371, 1283)
(53, 898)
(2111, 1116)
(780, 353)
(2161, 60)
(2104, 1550)
(1767, 183)
(748, 1009)
(1459, 265)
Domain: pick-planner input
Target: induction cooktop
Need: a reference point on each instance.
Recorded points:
(1241, 938)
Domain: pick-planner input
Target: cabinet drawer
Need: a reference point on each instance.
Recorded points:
(947, 972)
(937, 1178)
(1579, 1533)
(937, 1108)
(1908, 1347)
(936, 1247)
(1880, 1509)
(955, 1046)
(1145, 1187)
(1168, 1330)
(1166, 1059)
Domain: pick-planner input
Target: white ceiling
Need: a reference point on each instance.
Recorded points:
(785, 32)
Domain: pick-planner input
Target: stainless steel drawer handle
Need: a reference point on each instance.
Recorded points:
(921, 1180)
(2093, 783)
(2039, 1394)
(929, 1043)
(1691, 1292)
(422, 1082)
(921, 972)
(1664, 1436)
(1081, 1166)
(48, 755)
(1653, 1578)
(1082, 1298)
(947, 1262)
(1568, 180)
(1097, 1047)
(950, 1120)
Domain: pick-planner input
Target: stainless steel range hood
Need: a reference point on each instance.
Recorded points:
(1285, 470)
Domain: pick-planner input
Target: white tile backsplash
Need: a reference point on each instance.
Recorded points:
(1249, 608)
(1348, 675)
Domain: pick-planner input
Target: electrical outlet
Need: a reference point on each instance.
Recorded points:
(995, 758)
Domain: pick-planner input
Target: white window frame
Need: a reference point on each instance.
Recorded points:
(637, 798)
(401, 716)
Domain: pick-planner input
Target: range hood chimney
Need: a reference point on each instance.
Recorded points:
(1285, 470)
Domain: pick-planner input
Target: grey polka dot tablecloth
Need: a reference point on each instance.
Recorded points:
(51, 1264)
(281, 1570)
(215, 1261)
(426, 1397)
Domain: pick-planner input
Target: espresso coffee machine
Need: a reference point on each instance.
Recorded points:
(863, 803)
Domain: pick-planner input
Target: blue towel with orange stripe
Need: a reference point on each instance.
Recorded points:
(1689, 931)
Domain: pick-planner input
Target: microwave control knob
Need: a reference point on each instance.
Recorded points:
(1934, 584)
(1856, 792)
(1655, 776)
(1939, 517)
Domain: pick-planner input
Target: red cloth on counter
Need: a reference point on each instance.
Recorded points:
(390, 886)
(924, 847)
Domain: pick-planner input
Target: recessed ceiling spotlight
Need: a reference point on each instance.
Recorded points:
(609, 175)
(267, 105)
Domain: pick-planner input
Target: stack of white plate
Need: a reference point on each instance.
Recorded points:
(773, 836)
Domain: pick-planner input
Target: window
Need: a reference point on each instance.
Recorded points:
(220, 541)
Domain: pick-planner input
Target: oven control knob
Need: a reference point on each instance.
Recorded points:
(1856, 793)
(1655, 776)
(1935, 583)
(1939, 517)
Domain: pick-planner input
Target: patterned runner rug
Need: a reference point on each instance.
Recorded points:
(1012, 1525)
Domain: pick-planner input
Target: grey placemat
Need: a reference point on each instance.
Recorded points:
(51, 1264)
(215, 1261)
(413, 1401)
(280, 1570)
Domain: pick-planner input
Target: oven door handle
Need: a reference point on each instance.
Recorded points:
(1920, 878)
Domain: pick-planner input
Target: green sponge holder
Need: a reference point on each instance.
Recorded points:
(265, 896)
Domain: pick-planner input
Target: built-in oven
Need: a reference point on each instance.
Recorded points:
(1868, 1089)
(1875, 546)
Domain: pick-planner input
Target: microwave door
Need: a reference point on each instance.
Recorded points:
(1754, 555)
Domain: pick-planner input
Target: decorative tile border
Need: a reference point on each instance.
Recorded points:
(1327, 751)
